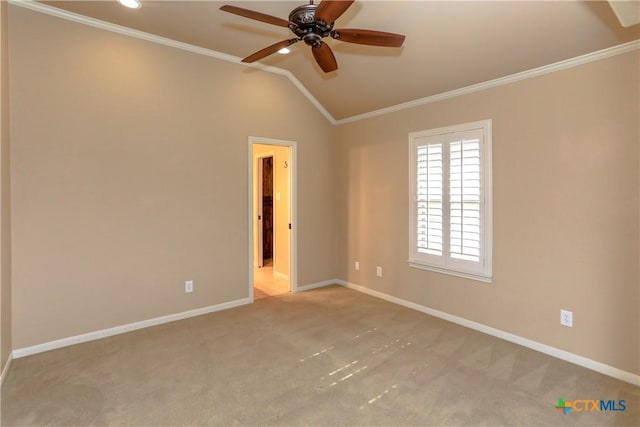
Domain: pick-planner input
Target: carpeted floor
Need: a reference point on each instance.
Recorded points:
(327, 357)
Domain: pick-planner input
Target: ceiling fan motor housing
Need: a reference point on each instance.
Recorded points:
(312, 23)
(303, 23)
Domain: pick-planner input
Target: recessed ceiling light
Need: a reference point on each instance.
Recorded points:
(284, 51)
(132, 4)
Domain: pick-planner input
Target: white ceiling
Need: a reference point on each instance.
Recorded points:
(449, 44)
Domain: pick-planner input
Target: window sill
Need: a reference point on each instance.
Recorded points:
(456, 273)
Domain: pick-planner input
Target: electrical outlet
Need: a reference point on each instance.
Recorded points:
(188, 286)
(357, 265)
(566, 318)
(379, 271)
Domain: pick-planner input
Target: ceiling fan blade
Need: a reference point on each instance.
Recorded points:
(255, 15)
(330, 10)
(324, 57)
(269, 50)
(370, 37)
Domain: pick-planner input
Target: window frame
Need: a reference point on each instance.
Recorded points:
(482, 271)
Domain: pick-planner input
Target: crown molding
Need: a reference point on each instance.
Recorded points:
(535, 72)
(5, 370)
(119, 29)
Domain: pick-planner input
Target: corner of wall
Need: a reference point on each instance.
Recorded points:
(5, 207)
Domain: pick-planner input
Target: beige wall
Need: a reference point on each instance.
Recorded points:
(565, 158)
(129, 176)
(5, 196)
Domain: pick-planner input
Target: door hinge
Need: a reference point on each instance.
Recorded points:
(289, 226)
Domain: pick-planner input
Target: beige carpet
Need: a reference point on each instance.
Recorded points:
(327, 357)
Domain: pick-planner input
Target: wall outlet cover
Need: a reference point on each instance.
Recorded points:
(566, 318)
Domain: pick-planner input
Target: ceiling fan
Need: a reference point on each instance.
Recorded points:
(311, 23)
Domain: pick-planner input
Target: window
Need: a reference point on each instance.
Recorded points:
(450, 215)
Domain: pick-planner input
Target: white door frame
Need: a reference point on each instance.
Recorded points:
(293, 198)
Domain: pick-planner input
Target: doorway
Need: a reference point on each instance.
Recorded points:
(264, 206)
(271, 217)
(267, 209)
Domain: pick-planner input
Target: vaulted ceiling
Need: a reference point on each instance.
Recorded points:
(449, 44)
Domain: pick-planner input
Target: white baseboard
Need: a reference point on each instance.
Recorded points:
(96, 335)
(534, 345)
(280, 275)
(319, 285)
(5, 369)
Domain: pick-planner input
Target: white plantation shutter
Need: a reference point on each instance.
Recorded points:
(451, 207)
(429, 199)
(464, 199)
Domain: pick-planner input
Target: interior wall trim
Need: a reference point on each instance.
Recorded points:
(96, 335)
(546, 69)
(122, 329)
(534, 345)
(280, 275)
(319, 285)
(5, 370)
(119, 29)
(292, 146)
(525, 342)
(529, 74)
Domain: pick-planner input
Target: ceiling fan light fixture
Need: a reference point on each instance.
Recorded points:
(284, 51)
(311, 23)
(131, 4)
